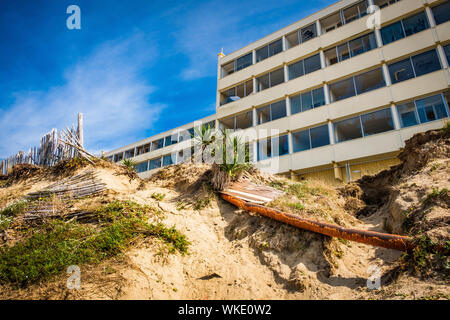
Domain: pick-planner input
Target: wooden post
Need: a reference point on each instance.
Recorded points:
(80, 130)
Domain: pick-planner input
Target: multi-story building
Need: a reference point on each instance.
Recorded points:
(334, 95)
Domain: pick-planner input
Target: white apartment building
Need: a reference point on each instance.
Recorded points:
(328, 96)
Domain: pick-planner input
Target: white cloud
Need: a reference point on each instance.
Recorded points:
(106, 86)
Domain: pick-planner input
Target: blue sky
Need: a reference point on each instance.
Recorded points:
(135, 68)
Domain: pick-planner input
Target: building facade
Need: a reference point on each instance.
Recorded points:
(334, 95)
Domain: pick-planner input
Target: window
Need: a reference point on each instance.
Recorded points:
(431, 108)
(301, 141)
(319, 136)
(392, 32)
(348, 129)
(404, 28)
(308, 32)
(303, 67)
(269, 50)
(422, 110)
(384, 3)
(155, 163)
(118, 157)
(310, 138)
(369, 81)
(401, 71)
(415, 66)
(307, 100)
(415, 24)
(364, 125)
(169, 140)
(169, 159)
(158, 144)
(143, 149)
(407, 114)
(331, 22)
(425, 63)
(267, 148)
(350, 49)
(238, 92)
(141, 167)
(270, 79)
(296, 70)
(342, 89)
(271, 112)
(447, 53)
(377, 122)
(300, 36)
(238, 64)
(346, 15)
(264, 149)
(129, 154)
(441, 12)
(312, 64)
(244, 62)
(244, 120)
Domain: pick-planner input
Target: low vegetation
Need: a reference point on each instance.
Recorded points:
(55, 245)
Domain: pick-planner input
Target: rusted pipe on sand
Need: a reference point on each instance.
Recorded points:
(385, 240)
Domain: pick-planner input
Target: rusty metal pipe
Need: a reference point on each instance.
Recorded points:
(385, 240)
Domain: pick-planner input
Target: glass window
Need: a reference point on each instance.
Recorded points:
(263, 82)
(283, 146)
(318, 97)
(348, 129)
(227, 68)
(263, 114)
(155, 163)
(319, 136)
(264, 149)
(141, 167)
(307, 102)
(355, 12)
(369, 81)
(296, 70)
(447, 52)
(129, 153)
(292, 39)
(426, 62)
(343, 52)
(244, 120)
(392, 32)
(169, 159)
(342, 89)
(377, 122)
(296, 104)
(441, 12)
(312, 64)
(415, 23)
(331, 22)
(300, 141)
(278, 109)
(384, 3)
(276, 77)
(275, 47)
(362, 44)
(407, 114)
(331, 56)
(244, 62)
(262, 53)
(401, 71)
(308, 32)
(431, 108)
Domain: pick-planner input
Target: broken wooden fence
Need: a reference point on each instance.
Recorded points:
(54, 147)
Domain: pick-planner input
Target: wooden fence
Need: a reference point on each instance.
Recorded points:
(54, 147)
